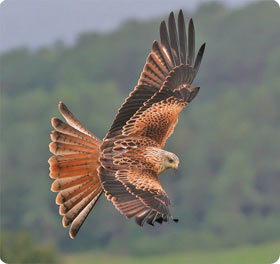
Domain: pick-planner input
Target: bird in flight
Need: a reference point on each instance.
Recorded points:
(126, 164)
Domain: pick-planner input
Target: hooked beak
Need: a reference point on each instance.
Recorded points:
(175, 166)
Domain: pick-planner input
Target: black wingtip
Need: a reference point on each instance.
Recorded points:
(181, 15)
(171, 15)
(159, 220)
(162, 31)
(191, 43)
(191, 27)
(203, 47)
(199, 57)
(174, 42)
(191, 22)
(201, 50)
(162, 25)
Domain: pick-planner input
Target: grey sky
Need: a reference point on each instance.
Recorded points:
(35, 23)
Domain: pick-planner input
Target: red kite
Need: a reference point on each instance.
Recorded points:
(126, 164)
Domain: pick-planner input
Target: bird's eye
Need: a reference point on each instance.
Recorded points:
(170, 160)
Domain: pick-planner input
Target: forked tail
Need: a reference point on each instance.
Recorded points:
(74, 168)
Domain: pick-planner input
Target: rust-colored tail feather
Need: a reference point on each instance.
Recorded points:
(74, 168)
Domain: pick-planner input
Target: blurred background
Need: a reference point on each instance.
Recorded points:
(89, 54)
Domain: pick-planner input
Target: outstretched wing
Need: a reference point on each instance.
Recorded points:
(145, 120)
(163, 68)
(130, 181)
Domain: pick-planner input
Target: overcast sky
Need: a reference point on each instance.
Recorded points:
(36, 23)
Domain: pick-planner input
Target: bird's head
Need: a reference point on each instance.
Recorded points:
(170, 160)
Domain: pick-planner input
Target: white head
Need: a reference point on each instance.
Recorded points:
(170, 160)
(162, 159)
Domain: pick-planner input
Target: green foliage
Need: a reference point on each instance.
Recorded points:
(227, 189)
(20, 248)
(268, 253)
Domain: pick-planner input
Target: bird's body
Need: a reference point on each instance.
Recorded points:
(126, 164)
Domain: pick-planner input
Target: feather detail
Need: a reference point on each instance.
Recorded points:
(74, 168)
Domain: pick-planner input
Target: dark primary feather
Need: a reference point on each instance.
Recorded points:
(173, 38)
(199, 58)
(164, 39)
(174, 50)
(182, 37)
(191, 44)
